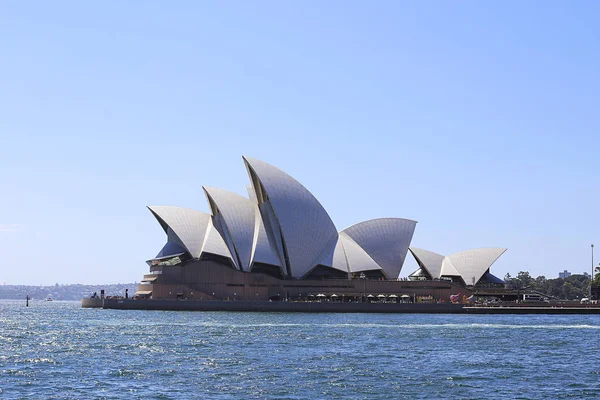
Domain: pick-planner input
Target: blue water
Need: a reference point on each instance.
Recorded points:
(56, 350)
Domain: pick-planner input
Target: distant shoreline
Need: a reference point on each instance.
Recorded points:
(61, 292)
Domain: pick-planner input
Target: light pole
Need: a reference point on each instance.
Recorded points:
(592, 277)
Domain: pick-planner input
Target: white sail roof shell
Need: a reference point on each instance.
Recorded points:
(340, 261)
(214, 243)
(470, 265)
(262, 250)
(307, 232)
(188, 225)
(357, 258)
(172, 247)
(448, 269)
(193, 229)
(238, 215)
(336, 259)
(473, 264)
(430, 261)
(385, 240)
(251, 194)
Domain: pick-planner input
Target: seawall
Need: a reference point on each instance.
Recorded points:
(279, 306)
(331, 307)
(533, 310)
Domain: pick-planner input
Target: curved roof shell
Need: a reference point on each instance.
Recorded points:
(336, 259)
(470, 265)
(385, 240)
(294, 219)
(234, 217)
(357, 258)
(262, 251)
(189, 226)
(215, 244)
(191, 230)
(172, 247)
(251, 194)
(448, 269)
(340, 260)
(429, 261)
(473, 264)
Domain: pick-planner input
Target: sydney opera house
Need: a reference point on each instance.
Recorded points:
(279, 243)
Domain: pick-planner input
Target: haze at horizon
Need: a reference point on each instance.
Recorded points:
(477, 120)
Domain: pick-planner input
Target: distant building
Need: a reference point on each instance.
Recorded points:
(564, 275)
(586, 275)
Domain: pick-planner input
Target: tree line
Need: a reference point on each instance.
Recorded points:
(574, 287)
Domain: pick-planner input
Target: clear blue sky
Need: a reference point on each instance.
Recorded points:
(478, 119)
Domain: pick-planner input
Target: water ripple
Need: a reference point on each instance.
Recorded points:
(59, 351)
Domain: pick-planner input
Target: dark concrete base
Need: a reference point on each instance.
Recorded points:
(91, 303)
(328, 307)
(267, 306)
(532, 310)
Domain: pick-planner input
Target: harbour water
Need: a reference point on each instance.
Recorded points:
(56, 350)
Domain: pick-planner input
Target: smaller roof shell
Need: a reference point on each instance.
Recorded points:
(189, 226)
(473, 264)
(358, 259)
(385, 240)
(428, 260)
(470, 265)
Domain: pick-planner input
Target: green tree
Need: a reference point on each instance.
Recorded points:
(568, 291)
(511, 282)
(541, 283)
(574, 287)
(524, 278)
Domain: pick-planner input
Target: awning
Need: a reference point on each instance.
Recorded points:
(143, 292)
(150, 279)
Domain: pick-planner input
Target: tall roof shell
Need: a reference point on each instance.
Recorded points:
(262, 251)
(473, 264)
(306, 231)
(251, 194)
(386, 240)
(238, 219)
(188, 225)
